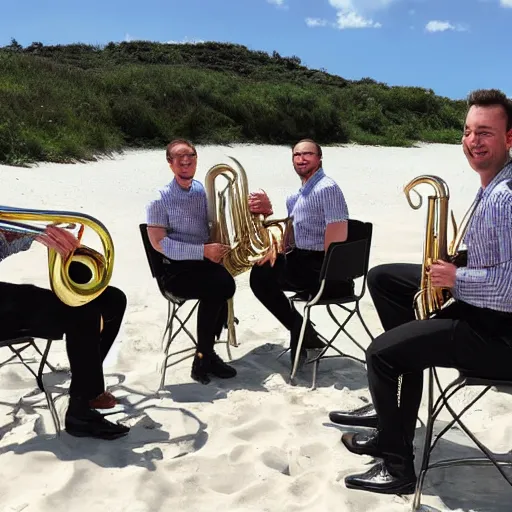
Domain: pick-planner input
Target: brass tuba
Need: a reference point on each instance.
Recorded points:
(429, 300)
(100, 265)
(252, 237)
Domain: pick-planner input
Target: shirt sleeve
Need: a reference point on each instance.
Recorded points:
(335, 206)
(156, 215)
(489, 270)
(15, 244)
(175, 250)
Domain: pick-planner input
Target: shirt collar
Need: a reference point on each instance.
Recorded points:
(504, 174)
(306, 188)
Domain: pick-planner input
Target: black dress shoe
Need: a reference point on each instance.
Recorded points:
(379, 479)
(205, 365)
(219, 368)
(362, 443)
(363, 417)
(84, 422)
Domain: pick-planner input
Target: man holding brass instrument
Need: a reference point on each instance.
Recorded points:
(320, 217)
(473, 333)
(90, 329)
(178, 228)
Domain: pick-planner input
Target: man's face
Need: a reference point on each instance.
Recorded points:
(183, 161)
(485, 141)
(306, 159)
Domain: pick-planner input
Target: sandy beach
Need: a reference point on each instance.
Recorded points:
(253, 443)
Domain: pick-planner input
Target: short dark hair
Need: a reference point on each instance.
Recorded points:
(318, 147)
(490, 98)
(175, 142)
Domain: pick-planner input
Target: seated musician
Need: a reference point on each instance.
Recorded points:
(178, 228)
(27, 310)
(320, 217)
(473, 333)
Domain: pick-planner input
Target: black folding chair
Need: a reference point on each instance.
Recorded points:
(157, 262)
(434, 408)
(17, 347)
(343, 261)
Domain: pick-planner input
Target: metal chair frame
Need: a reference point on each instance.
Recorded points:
(27, 342)
(174, 304)
(434, 409)
(344, 260)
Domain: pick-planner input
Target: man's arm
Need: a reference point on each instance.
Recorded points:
(336, 215)
(173, 249)
(335, 232)
(489, 270)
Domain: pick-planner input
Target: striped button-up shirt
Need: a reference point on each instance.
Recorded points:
(11, 243)
(183, 213)
(486, 282)
(318, 202)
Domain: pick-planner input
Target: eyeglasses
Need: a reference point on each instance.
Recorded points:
(181, 156)
(304, 153)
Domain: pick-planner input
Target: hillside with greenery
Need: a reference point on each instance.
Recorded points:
(75, 102)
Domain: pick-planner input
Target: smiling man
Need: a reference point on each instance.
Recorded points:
(178, 228)
(474, 333)
(320, 217)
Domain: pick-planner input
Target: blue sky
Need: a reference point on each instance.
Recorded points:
(451, 46)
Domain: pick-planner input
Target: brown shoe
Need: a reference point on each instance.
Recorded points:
(104, 401)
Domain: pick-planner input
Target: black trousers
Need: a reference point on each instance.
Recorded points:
(298, 271)
(29, 310)
(212, 285)
(461, 336)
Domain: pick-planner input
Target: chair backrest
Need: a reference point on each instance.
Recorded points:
(155, 259)
(349, 259)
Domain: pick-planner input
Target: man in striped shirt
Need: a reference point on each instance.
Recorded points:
(178, 228)
(474, 333)
(320, 217)
(27, 310)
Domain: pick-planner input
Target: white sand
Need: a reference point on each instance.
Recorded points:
(253, 443)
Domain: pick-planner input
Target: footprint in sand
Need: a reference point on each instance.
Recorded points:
(258, 429)
(276, 459)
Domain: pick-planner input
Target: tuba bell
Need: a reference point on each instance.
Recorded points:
(429, 300)
(100, 265)
(252, 236)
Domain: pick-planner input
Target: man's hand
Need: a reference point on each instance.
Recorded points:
(215, 252)
(269, 257)
(58, 239)
(443, 274)
(260, 203)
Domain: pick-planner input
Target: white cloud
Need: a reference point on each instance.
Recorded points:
(186, 40)
(361, 6)
(278, 3)
(350, 19)
(355, 13)
(506, 3)
(316, 22)
(442, 26)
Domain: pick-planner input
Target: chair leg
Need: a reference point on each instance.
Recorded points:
(47, 393)
(358, 311)
(172, 315)
(426, 444)
(296, 360)
(168, 329)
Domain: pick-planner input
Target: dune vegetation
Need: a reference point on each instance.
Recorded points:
(76, 102)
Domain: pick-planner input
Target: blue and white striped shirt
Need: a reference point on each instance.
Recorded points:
(184, 214)
(11, 243)
(318, 202)
(486, 282)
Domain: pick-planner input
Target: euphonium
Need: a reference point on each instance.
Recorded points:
(429, 300)
(100, 265)
(253, 237)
